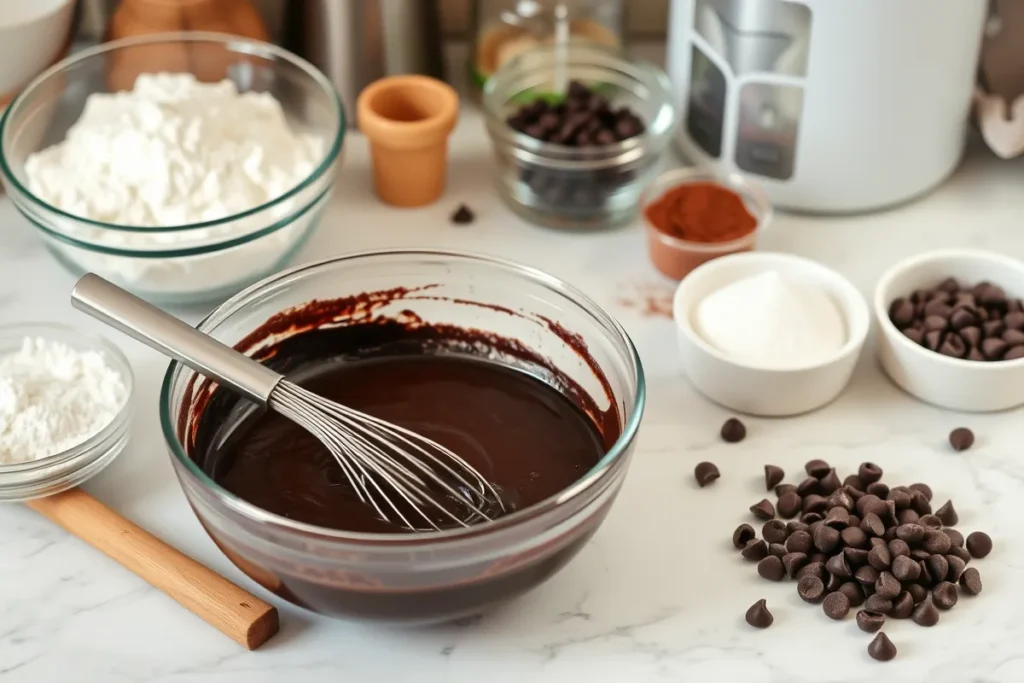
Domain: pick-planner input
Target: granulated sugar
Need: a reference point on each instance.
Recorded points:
(52, 398)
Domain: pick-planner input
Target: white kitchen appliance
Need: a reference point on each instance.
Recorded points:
(832, 105)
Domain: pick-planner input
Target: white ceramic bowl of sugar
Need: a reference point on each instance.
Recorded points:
(946, 382)
(765, 391)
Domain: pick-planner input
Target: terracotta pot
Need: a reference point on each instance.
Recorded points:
(407, 120)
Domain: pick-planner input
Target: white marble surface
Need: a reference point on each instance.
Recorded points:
(659, 594)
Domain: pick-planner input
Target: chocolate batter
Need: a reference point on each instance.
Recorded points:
(522, 422)
(517, 431)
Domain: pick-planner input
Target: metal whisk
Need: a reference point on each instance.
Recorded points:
(408, 479)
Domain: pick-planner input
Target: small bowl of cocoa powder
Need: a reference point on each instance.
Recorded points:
(693, 215)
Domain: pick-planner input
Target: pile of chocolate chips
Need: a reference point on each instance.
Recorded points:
(976, 323)
(857, 543)
(584, 120)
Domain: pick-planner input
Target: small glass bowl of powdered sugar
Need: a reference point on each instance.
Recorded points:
(65, 408)
(182, 167)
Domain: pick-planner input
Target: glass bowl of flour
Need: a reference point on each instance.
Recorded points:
(65, 408)
(181, 166)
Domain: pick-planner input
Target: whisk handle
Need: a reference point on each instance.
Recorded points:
(174, 338)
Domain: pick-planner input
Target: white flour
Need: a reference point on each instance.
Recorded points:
(171, 152)
(53, 398)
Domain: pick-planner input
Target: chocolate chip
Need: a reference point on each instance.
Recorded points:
(783, 489)
(763, 510)
(826, 538)
(960, 552)
(872, 524)
(905, 569)
(853, 592)
(970, 581)
(936, 542)
(908, 516)
(836, 605)
(854, 482)
(869, 621)
(771, 568)
(795, 526)
(776, 549)
(772, 476)
(919, 554)
(799, 542)
(898, 547)
(733, 431)
(962, 317)
(810, 588)
(926, 577)
(758, 615)
(837, 517)
(810, 518)
(930, 522)
(993, 348)
(743, 534)
(816, 569)
(956, 568)
(868, 473)
(876, 603)
(972, 336)
(793, 562)
(918, 592)
(933, 339)
(856, 557)
(902, 606)
(755, 550)
(993, 328)
(814, 503)
(961, 439)
(866, 575)
(878, 489)
(900, 498)
(841, 499)
(925, 614)
(790, 504)
(463, 215)
(1014, 353)
(854, 537)
(881, 648)
(938, 567)
(817, 468)
(887, 586)
(1013, 337)
(1014, 320)
(919, 503)
(705, 473)
(944, 595)
(914, 334)
(871, 504)
(837, 566)
(774, 531)
(901, 312)
(924, 489)
(955, 537)
(830, 482)
(879, 557)
(854, 520)
(979, 544)
(911, 533)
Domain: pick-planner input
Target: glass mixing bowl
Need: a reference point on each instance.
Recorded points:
(425, 577)
(190, 263)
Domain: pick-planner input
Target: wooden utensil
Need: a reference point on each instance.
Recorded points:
(241, 616)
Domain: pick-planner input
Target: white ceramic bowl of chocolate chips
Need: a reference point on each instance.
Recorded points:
(769, 334)
(952, 329)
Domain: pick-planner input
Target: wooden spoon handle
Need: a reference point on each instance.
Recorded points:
(239, 615)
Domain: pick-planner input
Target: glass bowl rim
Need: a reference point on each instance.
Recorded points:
(591, 478)
(117, 361)
(237, 44)
(641, 70)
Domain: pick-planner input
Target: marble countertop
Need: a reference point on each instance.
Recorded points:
(658, 594)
